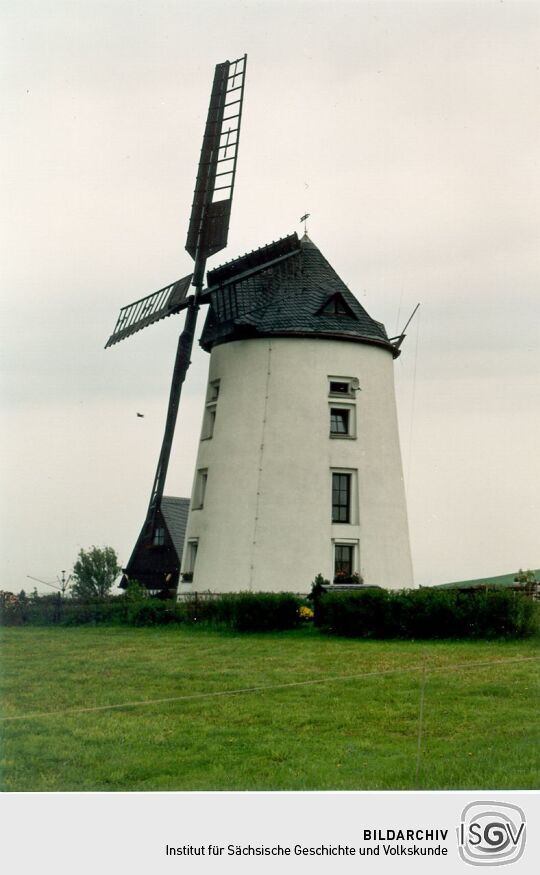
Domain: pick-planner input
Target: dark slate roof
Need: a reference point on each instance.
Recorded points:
(285, 289)
(175, 513)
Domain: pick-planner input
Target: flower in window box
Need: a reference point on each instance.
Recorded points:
(343, 577)
(187, 576)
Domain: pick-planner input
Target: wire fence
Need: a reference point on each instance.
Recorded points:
(423, 671)
(263, 688)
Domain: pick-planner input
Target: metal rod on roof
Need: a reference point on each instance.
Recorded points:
(399, 338)
(410, 318)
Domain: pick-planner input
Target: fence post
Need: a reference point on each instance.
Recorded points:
(420, 722)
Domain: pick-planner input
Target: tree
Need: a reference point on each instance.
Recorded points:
(94, 573)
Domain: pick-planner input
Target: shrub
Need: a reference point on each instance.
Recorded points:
(257, 612)
(494, 613)
(426, 613)
(356, 614)
(11, 609)
(47, 610)
(154, 612)
(318, 588)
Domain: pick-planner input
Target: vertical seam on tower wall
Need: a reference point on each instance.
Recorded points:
(259, 466)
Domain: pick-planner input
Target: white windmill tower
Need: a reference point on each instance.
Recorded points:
(298, 468)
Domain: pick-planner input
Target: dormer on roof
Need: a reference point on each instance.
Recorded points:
(336, 305)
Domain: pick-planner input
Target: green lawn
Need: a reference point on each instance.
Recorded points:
(480, 727)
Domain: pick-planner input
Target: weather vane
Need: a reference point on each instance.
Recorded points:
(304, 220)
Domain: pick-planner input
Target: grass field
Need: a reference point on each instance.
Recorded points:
(479, 726)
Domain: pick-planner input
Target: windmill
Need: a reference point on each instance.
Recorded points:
(298, 470)
(207, 235)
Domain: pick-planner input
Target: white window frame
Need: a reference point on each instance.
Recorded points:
(213, 392)
(353, 497)
(209, 417)
(351, 408)
(191, 556)
(346, 542)
(199, 493)
(352, 383)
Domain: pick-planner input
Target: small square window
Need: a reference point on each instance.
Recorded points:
(338, 387)
(339, 420)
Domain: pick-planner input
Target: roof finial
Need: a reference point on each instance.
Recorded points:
(304, 220)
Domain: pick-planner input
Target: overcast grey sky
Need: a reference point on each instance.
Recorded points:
(410, 131)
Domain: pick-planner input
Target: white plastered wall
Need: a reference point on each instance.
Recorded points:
(266, 523)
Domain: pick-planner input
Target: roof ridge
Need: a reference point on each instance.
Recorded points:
(255, 258)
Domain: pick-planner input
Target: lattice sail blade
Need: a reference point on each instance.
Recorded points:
(212, 200)
(166, 301)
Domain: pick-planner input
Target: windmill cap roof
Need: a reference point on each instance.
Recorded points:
(286, 288)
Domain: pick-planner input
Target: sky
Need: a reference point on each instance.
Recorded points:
(409, 131)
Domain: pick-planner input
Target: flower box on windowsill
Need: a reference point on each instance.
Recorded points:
(187, 576)
(349, 579)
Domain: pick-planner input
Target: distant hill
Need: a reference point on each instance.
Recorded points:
(501, 580)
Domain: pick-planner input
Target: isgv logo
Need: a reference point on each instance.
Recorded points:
(491, 833)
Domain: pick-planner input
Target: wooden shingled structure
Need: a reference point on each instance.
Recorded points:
(155, 563)
(286, 289)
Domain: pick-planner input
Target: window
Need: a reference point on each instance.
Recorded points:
(341, 498)
(339, 421)
(343, 560)
(191, 556)
(208, 422)
(343, 416)
(336, 305)
(209, 418)
(159, 536)
(338, 387)
(200, 488)
(346, 561)
(344, 386)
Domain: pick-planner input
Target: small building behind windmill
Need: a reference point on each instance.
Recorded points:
(298, 468)
(156, 561)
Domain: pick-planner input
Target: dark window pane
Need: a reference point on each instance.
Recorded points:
(344, 559)
(341, 498)
(159, 537)
(339, 388)
(339, 421)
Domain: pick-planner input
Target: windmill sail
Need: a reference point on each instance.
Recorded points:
(207, 234)
(166, 301)
(212, 200)
(208, 230)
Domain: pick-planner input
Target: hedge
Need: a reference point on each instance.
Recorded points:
(242, 612)
(426, 613)
(366, 613)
